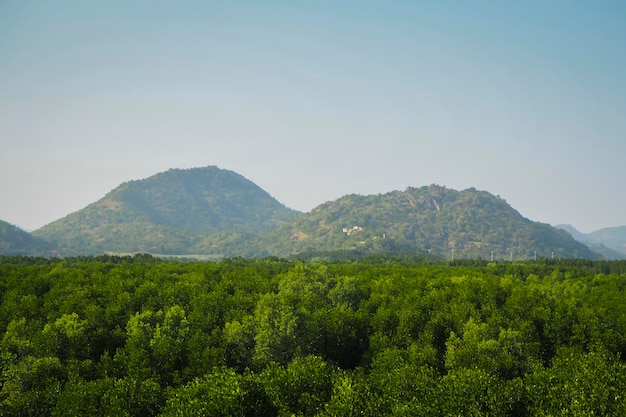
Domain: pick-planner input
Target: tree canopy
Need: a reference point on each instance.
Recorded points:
(139, 336)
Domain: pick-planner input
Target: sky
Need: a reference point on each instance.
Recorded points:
(315, 100)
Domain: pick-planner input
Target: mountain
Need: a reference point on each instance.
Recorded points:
(612, 237)
(432, 219)
(193, 211)
(576, 234)
(211, 212)
(608, 242)
(15, 241)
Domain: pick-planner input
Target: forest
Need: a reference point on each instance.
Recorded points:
(141, 336)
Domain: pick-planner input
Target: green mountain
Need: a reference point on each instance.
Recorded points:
(428, 220)
(207, 211)
(15, 241)
(211, 213)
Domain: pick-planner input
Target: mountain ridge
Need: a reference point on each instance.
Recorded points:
(609, 242)
(212, 212)
(429, 219)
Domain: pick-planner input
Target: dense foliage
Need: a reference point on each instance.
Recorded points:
(137, 336)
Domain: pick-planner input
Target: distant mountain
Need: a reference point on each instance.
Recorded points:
(15, 241)
(433, 219)
(576, 234)
(612, 237)
(211, 213)
(193, 211)
(608, 242)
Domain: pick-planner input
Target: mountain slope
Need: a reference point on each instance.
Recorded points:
(15, 241)
(430, 219)
(175, 212)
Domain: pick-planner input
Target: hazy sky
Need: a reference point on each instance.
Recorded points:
(314, 100)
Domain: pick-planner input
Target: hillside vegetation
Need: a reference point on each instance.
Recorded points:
(211, 213)
(433, 219)
(135, 336)
(203, 210)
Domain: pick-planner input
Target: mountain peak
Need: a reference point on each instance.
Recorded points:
(169, 211)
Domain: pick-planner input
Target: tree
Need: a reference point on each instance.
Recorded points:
(302, 388)
(220, 393)
(169, 345)
(579, 384)
(478, 348)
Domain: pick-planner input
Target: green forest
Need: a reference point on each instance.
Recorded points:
(141, 336)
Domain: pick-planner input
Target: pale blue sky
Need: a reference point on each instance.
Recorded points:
(315, 100)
